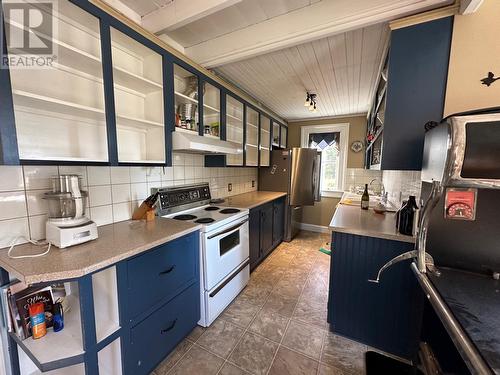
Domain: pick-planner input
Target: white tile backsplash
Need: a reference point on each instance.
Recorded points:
(120, 175)
(38, 177)
(10, 229)
(121, 193)
(100, 195)
(401, 184)
(11, 178)
(13, 205)
(36, 204)
(114, 192)
(102, 215)
(99, 176)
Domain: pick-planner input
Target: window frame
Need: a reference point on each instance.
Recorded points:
(343, 129)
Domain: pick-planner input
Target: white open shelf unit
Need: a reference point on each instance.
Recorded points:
(234, 128)
(59, 109)
(68, 343)
(138, 89)
(186, 99)
(56, 346)
(252, 137)
(66, 101)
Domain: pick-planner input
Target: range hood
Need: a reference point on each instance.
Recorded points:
(194, 143)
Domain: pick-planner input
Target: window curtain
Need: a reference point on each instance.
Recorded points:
(321, 141)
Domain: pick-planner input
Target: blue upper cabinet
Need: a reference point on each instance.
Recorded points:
(138, 101)
(252, 138)
(113, 97)
(211, 111)
(186, 96)
(418, 68)
(59, 111)
(235, 128)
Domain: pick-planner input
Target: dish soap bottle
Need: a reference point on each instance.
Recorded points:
(407, 216)
(365, 199)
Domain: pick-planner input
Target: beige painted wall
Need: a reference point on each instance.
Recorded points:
(321, 213)
(474, 52)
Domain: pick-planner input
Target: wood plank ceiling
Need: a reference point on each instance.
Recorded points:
(341, 70)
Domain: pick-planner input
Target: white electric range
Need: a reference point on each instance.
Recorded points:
(224, 244)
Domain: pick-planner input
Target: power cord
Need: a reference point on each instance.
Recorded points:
(14, 243)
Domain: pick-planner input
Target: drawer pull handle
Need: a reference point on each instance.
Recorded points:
(169, 328)
(167, 270)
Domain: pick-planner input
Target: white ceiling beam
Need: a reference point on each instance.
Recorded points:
(469, 6)
(321, 19)
(179, 13)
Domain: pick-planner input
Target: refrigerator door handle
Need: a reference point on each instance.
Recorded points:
(316, 178)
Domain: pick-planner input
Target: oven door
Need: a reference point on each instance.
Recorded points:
(224, 250)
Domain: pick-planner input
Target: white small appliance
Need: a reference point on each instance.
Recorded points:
(224, 244)
(67, 224)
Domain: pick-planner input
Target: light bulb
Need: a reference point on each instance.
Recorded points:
(311, 107)
(315, 110)
(306, 104)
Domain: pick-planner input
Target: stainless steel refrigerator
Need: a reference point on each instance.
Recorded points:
(295, 172)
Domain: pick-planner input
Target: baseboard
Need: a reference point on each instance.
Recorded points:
(314, 228)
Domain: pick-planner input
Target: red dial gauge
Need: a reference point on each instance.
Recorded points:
(460, 211)
(460, 204)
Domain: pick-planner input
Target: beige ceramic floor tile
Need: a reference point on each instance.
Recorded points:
(344, 354)
(254, 354)
(304, 338)
(288, 362)
(197, 361)
(269, 324)
(173, 357)
(240, 313)
(283, 305)
(230, 369)
(220, 338)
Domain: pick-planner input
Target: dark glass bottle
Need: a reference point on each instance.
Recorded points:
(365, 199)
(407, 216)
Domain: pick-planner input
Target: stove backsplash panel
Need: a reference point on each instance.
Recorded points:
(114, 192)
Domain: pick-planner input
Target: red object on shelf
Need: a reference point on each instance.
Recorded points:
(37, 318)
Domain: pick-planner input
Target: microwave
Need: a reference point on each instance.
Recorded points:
(464, 151)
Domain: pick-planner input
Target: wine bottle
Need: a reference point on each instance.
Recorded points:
(365, 199)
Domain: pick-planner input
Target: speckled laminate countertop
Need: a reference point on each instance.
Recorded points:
(354, 220)
(252, 199)
(116, 242)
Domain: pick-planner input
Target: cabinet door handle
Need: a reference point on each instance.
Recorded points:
(169, 328)
(167, 270)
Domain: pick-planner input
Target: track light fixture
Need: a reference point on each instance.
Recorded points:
(308, 99)
(311, 102)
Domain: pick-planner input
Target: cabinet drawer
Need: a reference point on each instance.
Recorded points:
(153, 338)
(162, 273)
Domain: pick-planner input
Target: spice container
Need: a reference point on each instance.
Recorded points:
(37, 319)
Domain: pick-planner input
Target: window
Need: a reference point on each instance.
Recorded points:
(331, 140)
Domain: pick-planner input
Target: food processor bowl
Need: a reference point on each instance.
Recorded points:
(67, 202)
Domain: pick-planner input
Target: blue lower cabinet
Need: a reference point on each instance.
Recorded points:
(161, 274)
(152, 339)
(386, 316)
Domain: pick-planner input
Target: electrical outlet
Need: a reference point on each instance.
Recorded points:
(229, 187)
(253, 183)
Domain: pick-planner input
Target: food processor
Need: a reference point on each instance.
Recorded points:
(67, 224)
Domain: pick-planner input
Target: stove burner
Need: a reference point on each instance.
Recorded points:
(205, 220)
(184, 217)
(212, 208)
(229, 211)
